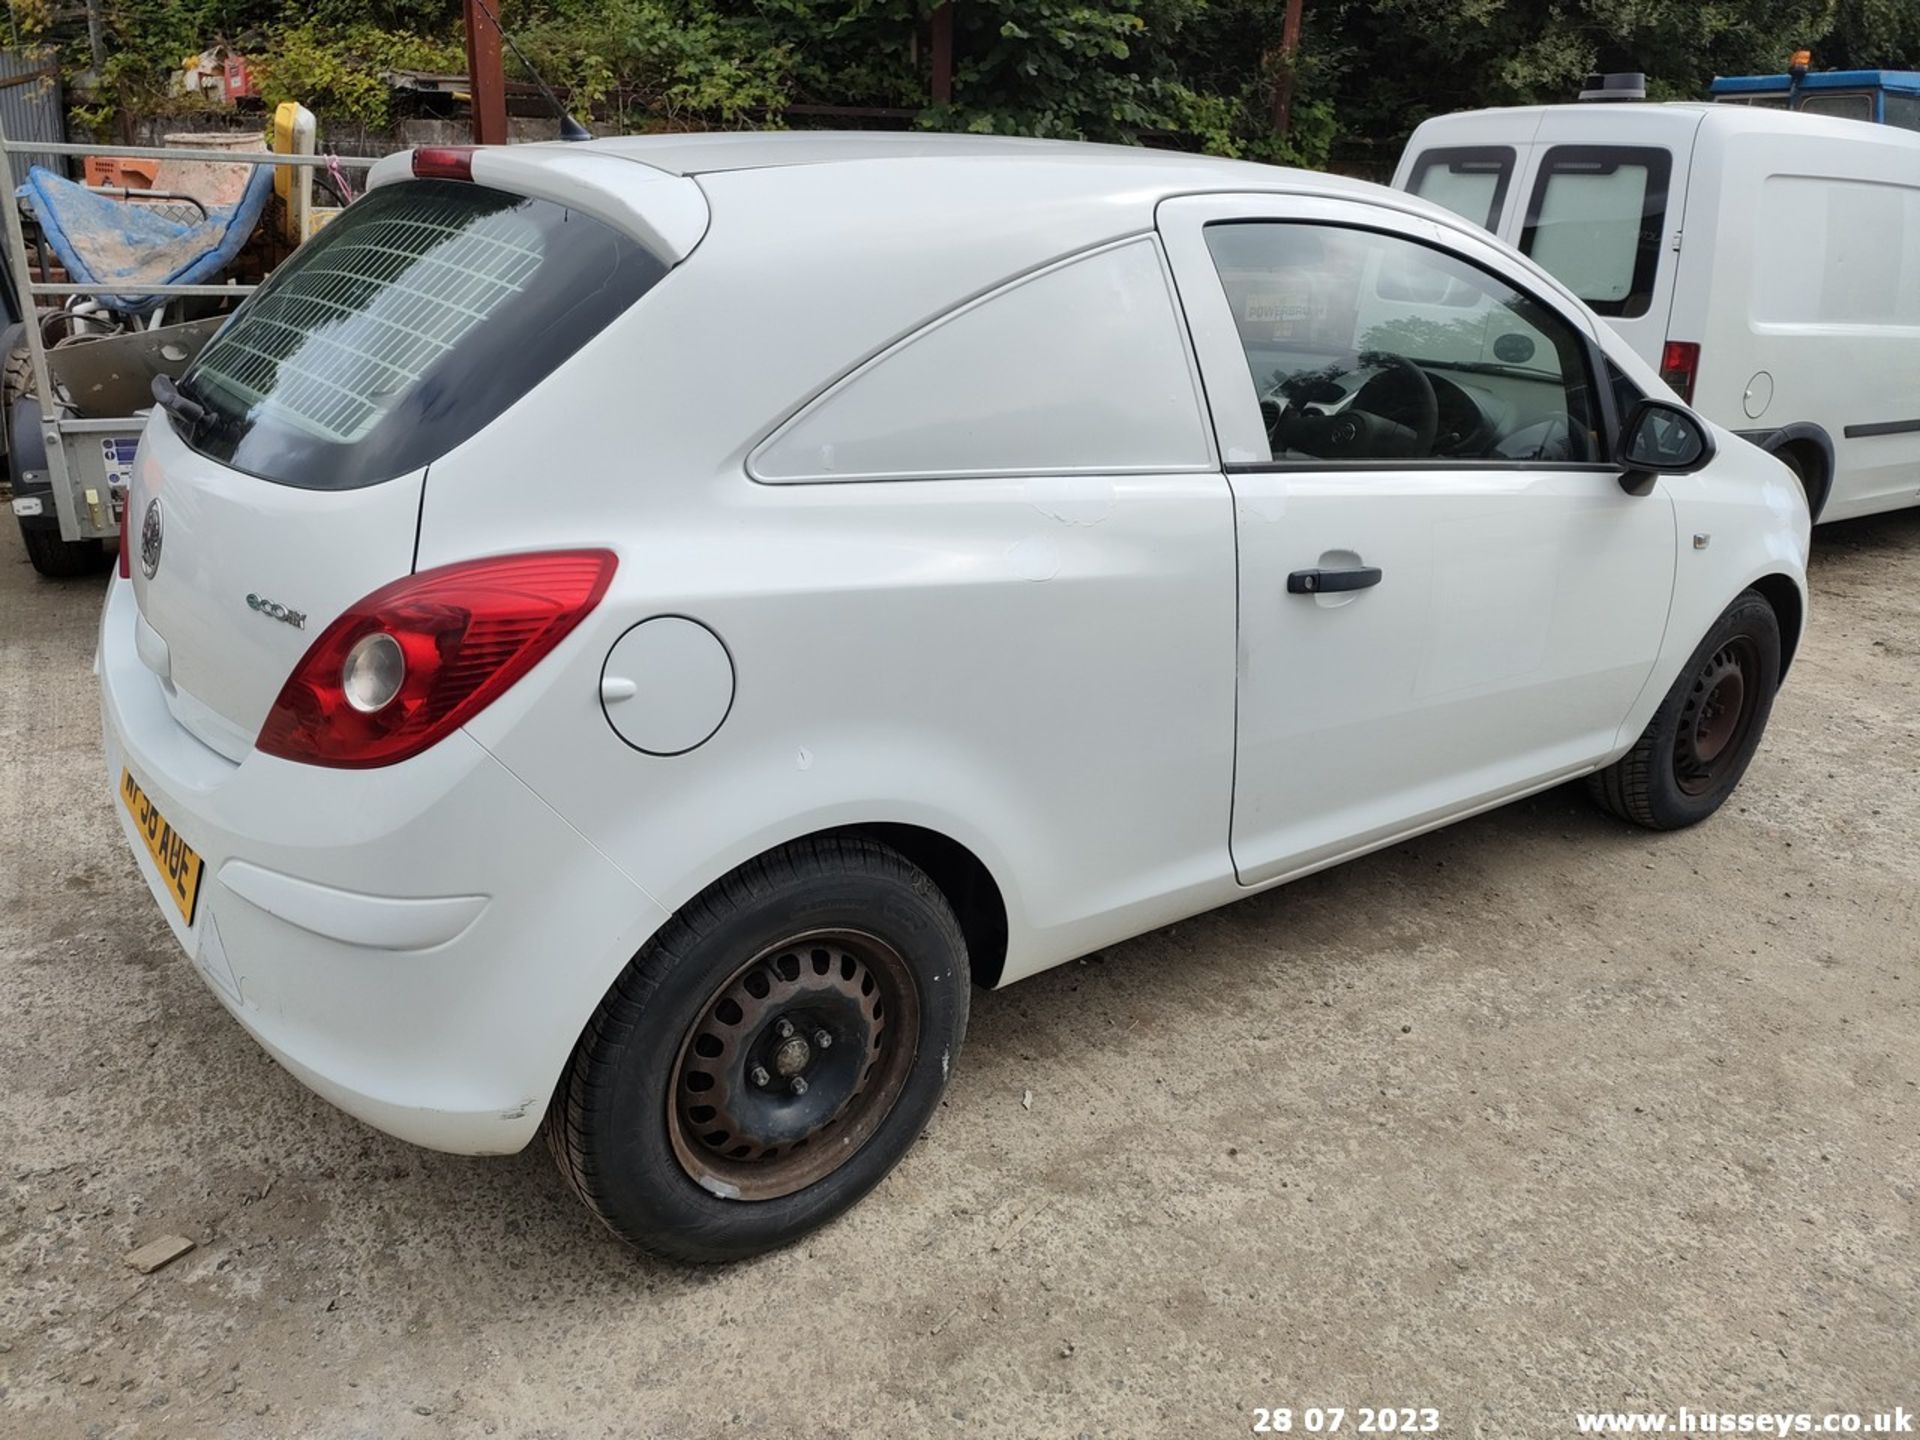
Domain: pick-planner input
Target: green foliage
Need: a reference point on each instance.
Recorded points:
(1199, 74)
(336, 70)
(1883, 34)
(675, 64)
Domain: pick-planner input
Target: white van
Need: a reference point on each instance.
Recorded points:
(1767, 262)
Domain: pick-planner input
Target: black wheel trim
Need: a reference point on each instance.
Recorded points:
(792, 1141)
(1716, 719)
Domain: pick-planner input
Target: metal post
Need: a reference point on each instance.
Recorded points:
(1283, 71)
(486, 76)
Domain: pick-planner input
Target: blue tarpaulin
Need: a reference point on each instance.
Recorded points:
(99, 238)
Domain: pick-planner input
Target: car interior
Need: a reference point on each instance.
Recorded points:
(1365, 346)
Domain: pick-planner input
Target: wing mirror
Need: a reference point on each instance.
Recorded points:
(1661, 438)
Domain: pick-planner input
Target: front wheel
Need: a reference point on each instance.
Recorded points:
(769, 1056)
(1699, 742)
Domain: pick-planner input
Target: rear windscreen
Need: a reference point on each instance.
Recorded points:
(1594, 222)
(405, 326)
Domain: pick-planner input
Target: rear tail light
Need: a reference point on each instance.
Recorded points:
(1679, 363)
(443, 162)
(420, 657)
(126, 556)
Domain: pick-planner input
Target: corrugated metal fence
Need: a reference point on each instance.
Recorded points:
(31, 105)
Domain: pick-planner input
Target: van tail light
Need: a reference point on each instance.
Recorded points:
(416, 659)
(443, 162)
(126, 557)
(1679, 363)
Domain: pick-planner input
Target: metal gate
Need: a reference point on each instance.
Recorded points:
(31, 105)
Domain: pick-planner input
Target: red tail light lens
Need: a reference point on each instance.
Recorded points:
(1679, 363)
(443, 162)
(126, 556)
(463, 634)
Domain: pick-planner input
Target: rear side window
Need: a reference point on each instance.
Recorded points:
(1594, 222)
(1471, 182)
(405, 326)
(1078, 368)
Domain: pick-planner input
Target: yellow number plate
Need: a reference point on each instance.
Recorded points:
(179, 865)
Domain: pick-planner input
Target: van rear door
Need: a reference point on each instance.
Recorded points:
(1599, 208)
(1470, 164)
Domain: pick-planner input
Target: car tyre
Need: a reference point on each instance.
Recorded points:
(679, 1121)
(1701, 739)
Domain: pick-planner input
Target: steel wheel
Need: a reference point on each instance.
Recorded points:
(793, 1064)
(1716, 716)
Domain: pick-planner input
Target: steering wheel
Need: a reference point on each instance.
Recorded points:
(1354, 433)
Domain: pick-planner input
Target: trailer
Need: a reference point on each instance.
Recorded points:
(81, 366)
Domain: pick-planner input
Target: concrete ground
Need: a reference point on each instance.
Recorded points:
(1535, 1114)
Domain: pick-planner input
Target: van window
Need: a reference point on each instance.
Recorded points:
(1901, 110)
(1448, 363)
(1081, 367)
(1595, 221)
(400, 330)
(1470, 181)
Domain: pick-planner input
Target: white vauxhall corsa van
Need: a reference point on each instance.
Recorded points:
(1767, 262)
(626, 634)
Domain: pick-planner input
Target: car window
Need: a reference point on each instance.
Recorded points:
(1368, 346)
(401, 329)
(1080, 368)
(1595, 221)
(1471, 181)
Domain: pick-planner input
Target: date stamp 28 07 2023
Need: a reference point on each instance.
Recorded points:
(1339, 1419)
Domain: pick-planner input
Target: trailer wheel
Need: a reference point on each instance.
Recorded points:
(17, 377)
(59, 559)
(52, 556)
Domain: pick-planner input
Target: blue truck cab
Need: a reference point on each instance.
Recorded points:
(1882, 97)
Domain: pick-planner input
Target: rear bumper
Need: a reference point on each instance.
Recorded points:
(421, 944)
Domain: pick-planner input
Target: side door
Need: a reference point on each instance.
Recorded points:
(1445, 596)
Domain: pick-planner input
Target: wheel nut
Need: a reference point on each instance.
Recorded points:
(822, 1040)
(799, 1085)
(759, 1076)
(784, 1029)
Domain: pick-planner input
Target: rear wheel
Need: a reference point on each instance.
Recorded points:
(769, 1056)
(1701, 739)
